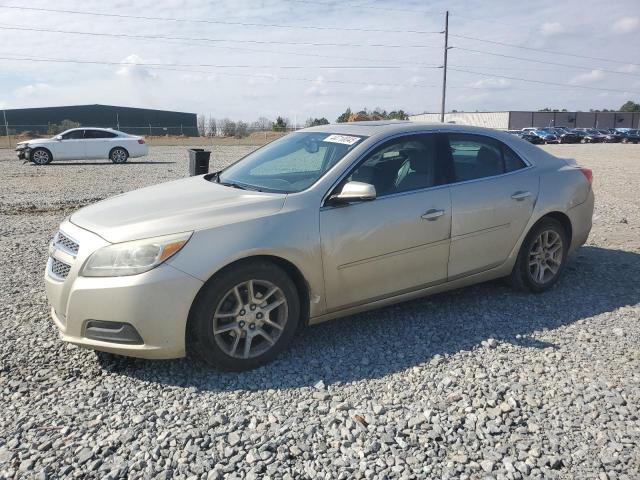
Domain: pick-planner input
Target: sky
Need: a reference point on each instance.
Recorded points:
(245, 59)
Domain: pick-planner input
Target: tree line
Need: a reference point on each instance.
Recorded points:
(225, 127)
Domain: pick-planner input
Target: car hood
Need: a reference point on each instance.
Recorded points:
(183, 205)
(35, 141)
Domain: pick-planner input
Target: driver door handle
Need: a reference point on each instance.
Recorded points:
(432, 214)
(520, 195)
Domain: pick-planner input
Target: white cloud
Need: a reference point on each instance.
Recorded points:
(585, 78)
(33, 90)
(491, 83)
(318, 87)
(626, 25)
(380, 89)
(630, 68)
(263, 79)
(135, 71)
(416, 79)
(549, 29)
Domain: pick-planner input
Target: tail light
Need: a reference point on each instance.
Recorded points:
(588, 173)
(141, 141)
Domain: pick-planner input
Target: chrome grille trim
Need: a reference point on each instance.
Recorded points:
(58, 269)
(66, 243)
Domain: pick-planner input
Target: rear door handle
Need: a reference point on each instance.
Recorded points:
(432, 214)
(520, 195)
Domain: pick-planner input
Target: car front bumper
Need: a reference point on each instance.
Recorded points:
(23, 153)
(142, 315)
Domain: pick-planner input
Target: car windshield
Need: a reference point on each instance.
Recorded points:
(290, 164)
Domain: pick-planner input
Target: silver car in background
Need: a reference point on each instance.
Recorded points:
(322, 223)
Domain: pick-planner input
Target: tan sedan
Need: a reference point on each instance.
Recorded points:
(319, 224)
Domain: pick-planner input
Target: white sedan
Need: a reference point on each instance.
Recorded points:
(83, 143)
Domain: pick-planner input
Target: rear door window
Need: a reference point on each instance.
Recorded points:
(98, 134)
(477, 156)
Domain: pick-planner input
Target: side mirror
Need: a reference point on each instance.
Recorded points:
(58, 137)
(354, 192)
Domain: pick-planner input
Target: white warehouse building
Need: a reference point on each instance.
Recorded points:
(517, 120)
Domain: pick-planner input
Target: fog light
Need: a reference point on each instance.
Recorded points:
(114, 332)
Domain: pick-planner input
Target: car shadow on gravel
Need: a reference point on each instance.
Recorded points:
(385, 341)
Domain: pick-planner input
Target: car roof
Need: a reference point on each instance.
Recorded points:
(390, 127)
(92, 128)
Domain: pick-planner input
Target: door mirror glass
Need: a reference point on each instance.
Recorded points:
(355, 192)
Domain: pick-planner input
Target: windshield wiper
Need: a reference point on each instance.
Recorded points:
(233, 185)
(239, 186)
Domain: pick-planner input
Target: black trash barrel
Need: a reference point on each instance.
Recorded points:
(198, 161)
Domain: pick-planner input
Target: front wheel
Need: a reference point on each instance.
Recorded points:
(541, 258)
(40, 156)
(119, 155)
(245, 316)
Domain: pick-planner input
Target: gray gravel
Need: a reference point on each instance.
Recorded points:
(478, 383)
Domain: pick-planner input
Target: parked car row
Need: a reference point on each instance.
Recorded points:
(577, 135)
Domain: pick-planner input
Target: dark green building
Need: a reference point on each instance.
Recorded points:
(139, 121)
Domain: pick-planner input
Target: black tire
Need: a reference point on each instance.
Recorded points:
(201, 338)
(118, 155)
(522, 277)
(40, 156)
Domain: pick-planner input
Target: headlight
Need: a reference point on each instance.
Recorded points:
(131, 258)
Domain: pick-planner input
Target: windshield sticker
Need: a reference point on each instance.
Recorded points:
(344, 139)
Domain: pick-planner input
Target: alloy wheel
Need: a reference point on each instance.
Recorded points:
(40, 157)
(250, 318)
(119, 155)
(545, 257)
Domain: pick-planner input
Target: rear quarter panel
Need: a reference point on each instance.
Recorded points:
(134, 148)
(563, 188)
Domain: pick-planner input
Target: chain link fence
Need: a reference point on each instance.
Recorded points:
(11, 134)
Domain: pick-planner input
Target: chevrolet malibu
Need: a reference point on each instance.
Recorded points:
(83, 143)
(322, 223)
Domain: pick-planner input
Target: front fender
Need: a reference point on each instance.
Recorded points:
(289, 234)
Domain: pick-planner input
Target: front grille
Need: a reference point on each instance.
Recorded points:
(65, 243)
(59, 269)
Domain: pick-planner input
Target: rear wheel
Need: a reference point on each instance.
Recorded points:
(541, 258)
(245, 316)
(41, 156)
(118, 155)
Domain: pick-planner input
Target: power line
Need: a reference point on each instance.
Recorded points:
(5, 26)
(171, 67)
(210, 65)
(543, 82)
(545, 62)
(173, 40)
(368, 7)
(553, 52)
(214, 22)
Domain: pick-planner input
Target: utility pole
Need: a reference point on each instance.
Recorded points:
(444, 67)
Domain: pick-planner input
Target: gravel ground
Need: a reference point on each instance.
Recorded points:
(478, 383)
